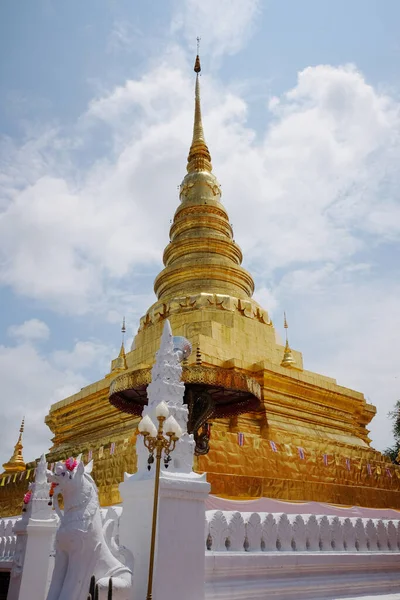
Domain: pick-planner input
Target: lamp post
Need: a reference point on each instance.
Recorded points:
(156, 442)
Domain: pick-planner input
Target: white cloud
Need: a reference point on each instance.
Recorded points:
(308, 186)
(309, 191)
(32, 381)
(223, 26)
(85, 354)
(347, 328)
(121, 37)
(34, 329)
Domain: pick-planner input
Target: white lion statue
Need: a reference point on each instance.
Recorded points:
(81, 546)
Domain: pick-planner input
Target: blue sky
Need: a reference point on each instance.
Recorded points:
(301, 113)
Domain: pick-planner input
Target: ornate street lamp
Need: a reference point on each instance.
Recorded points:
(158, 440)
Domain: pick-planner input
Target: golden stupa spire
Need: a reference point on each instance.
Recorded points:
(16, 464)
(288, 359)
(199, 158)
(201, 256)
(119, 364)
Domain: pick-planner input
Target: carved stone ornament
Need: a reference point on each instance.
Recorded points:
(83, 545)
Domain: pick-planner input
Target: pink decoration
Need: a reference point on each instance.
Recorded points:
(27, 497)
(71, 463)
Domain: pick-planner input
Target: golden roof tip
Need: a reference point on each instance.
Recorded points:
(288, 358)
(199, 158)
(197, 66)
(16, 463)
(119, 363)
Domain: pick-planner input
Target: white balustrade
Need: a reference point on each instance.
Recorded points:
(392, 536)
(279, 532)
(361, 536)
(349, 535)
(312, 533)
(284, 540)
(8, 541)
(269, 530)
(236, 531)
(252, 523)
(299, 533)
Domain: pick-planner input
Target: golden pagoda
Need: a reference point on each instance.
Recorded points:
(16, 464)
(288, 359)
(263, 425)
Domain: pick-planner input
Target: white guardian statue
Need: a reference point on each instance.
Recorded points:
(83, 547)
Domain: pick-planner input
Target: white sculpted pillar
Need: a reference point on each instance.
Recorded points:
(180, 552)
(31, 570)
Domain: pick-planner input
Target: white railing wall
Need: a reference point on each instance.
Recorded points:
(8, 542)
(272, 532)
(252, 555)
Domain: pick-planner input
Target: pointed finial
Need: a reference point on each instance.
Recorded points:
(199, 158)
(197, 66)
(166, 344)
(288, 359)
(286, 326)
(21, 431)
(119, 364)
(123, 331)
(41, 470)
(16, 463)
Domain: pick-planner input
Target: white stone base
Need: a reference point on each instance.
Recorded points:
(302, 576)
(385, 597)
(179, 565)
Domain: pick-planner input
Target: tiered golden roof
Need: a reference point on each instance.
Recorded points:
(16, 464)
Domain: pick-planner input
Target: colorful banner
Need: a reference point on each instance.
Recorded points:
(101, 451)
(90, 455)
(301, 452)
(112, 448)
(240, 439)
(273, 447)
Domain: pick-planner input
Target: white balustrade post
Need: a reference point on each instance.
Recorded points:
(35, 531)
(180, 552)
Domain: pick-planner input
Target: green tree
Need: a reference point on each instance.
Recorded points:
(393, 451)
